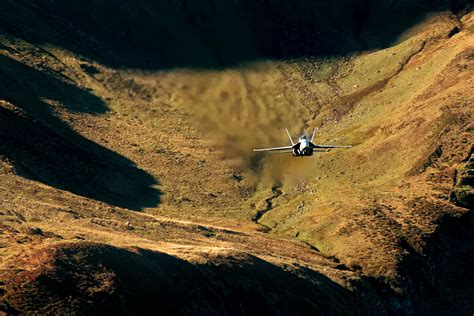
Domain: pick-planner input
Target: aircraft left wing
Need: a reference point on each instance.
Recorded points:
(329, 146)
(274, 148)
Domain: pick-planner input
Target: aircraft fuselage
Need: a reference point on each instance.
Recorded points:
(302, 148)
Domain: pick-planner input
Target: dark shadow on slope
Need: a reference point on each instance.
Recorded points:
(46, 149)
(439, 280)
(159, 34)
(100, 279)
(447, 278)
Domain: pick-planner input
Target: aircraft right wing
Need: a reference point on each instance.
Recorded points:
(274, 148)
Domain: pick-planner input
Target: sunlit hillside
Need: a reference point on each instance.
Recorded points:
(128, 178)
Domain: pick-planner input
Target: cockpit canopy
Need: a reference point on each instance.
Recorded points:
(303, 137)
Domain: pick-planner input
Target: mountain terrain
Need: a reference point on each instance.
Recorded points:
(128, 181)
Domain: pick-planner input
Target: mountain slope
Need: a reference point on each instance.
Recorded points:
(145, 157)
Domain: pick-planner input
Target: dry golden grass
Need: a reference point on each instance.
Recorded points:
(193, 131)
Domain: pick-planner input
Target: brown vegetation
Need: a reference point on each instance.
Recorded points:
(130, 184)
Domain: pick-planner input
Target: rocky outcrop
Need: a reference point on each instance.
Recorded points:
(463, 192)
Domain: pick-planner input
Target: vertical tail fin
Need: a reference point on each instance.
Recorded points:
(314, 133)
(289, 136)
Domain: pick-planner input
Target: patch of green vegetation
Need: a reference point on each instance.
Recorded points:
(465, 195)
(372, 68)
(464, 190)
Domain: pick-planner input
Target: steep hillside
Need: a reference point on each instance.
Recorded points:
(126, 162)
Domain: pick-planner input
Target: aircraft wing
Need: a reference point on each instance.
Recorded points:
(330, 146)
(274, 148)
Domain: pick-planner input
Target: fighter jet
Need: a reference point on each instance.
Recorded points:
(303, 147)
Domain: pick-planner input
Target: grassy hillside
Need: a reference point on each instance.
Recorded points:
(134, 144)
